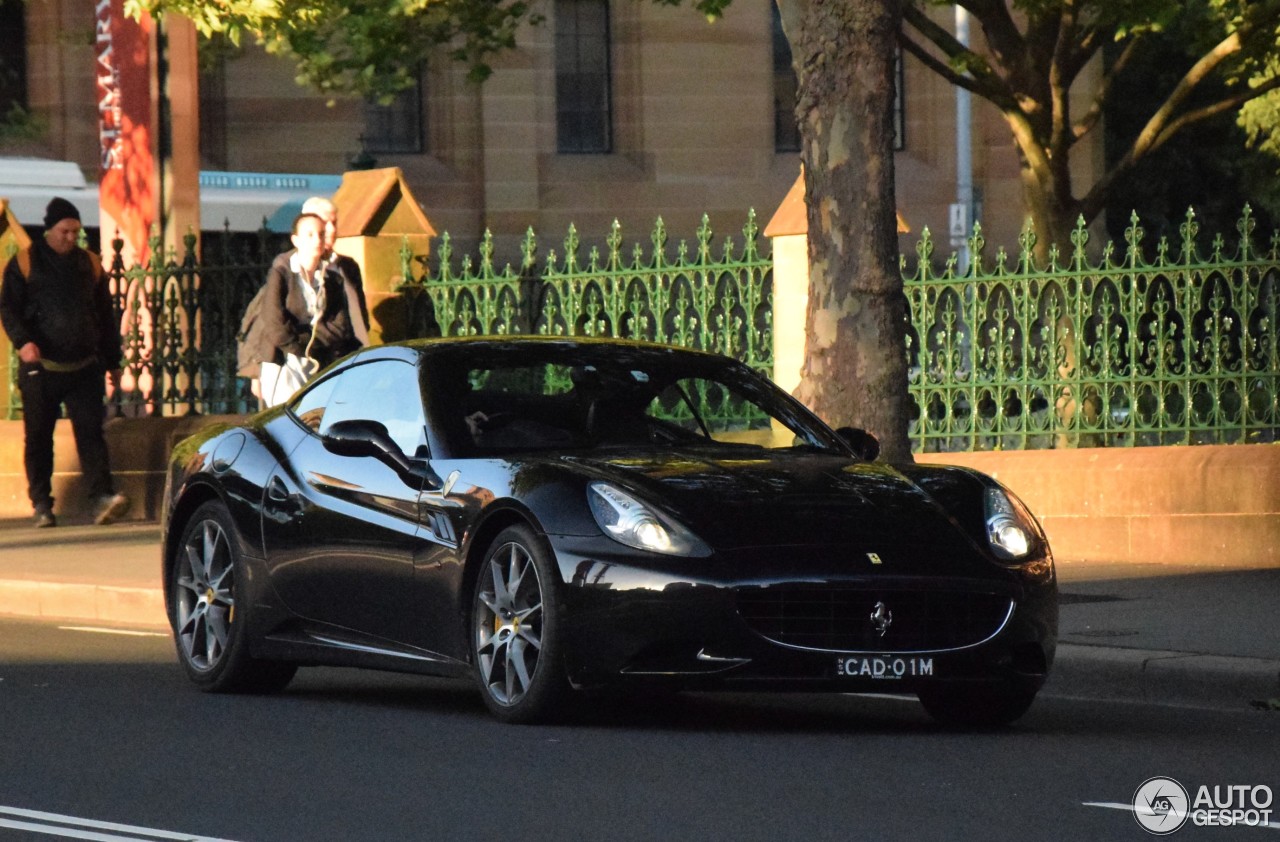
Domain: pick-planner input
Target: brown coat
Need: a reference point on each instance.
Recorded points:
(286, 325)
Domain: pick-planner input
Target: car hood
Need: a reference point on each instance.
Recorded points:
(790, 499)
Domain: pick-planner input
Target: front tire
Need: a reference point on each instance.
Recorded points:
(208, 611)
(978, 705)
(515, 629)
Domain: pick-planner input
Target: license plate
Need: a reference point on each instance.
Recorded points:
(884, 667)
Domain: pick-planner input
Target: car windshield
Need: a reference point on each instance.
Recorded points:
(506, 398)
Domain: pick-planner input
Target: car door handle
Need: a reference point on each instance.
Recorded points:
(276, 490)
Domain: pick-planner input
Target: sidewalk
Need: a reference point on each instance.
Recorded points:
(1195, 636)
(1192, 636)
(82, 573)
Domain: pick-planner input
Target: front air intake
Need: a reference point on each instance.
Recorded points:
(871, 620)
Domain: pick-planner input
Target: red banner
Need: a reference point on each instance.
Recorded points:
(127, 186)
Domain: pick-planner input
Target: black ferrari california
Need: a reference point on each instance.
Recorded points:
(549, 515)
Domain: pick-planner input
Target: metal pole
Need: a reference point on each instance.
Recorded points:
(964, 154)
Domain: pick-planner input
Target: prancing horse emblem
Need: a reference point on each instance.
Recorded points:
(881, 618)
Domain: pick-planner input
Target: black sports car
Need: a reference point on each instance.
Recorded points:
(551, 514)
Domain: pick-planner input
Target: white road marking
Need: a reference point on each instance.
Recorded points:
(102, 630)
(71, 827)
(66, 832)
(1110, 805)
(1128, 808)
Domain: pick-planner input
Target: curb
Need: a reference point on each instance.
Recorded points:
(82, 602)
(1178, 679)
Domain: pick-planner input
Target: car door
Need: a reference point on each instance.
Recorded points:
(340, 531)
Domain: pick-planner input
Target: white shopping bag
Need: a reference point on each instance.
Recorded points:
(279, 382)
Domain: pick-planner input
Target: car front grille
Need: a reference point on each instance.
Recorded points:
(841, 619)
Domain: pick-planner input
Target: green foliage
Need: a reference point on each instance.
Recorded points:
(371, 47)
(1260, 119)
(711, 9)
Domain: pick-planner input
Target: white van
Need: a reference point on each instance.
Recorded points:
(239, 200)
(29, 184)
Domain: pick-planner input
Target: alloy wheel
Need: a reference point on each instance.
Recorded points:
(203, 597)
(509, 624)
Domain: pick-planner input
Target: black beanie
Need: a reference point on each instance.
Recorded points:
(58, 210)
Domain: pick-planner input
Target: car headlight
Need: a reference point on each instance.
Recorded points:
(1010, 527)
(628, 521)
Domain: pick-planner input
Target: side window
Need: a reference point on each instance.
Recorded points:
(385, 391)
(311, 406)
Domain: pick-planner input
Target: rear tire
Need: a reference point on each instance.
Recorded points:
(978, 705)
(209, 611)
(515, 630)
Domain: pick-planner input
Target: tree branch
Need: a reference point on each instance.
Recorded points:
(1094, 114)
(932, 32)
(1096, 198)
(983, 81)
(937, 66)
(1230, 103)
(998, 27)
(1033, 151)
(1186, 86)
(1090, 40)
(1060, 85)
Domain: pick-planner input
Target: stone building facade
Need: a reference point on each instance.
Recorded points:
(610, 109)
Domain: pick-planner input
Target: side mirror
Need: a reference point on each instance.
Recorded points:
(863, 443)
(359, 437)
(364, 437)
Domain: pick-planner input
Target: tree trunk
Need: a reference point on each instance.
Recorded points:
(855, 370)
(1053, 215)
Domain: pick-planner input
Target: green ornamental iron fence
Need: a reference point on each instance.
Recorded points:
(1183, 349)
(694, 300)
(179, 322)
(1180, 349)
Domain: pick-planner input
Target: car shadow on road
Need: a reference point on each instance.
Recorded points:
(719, 712)
(703, 712)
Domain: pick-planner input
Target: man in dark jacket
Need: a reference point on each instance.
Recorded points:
(55, 306)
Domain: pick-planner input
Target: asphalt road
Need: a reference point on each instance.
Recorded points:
(104, 728)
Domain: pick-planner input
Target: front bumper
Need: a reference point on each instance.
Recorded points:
(640, 619)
